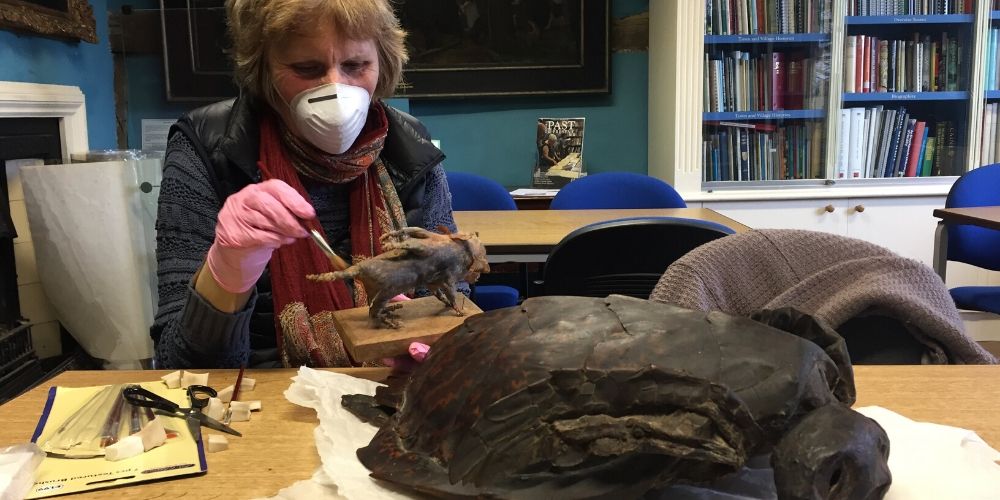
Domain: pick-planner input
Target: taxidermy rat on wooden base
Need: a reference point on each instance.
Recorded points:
(414, 257)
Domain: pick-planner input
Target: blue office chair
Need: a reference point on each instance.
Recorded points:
(976, 245)
(624, 256)
(475, 192)
(617, 190)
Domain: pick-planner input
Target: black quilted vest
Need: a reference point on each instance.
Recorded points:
(227, 138)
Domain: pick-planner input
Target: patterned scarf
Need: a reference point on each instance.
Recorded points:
(304, 324)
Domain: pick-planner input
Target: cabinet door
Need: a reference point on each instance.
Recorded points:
(903, 225)
(816, 215)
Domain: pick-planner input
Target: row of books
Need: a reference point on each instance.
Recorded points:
(872, 64)
(737, 151)
(877, 142)
(907, 7)
(992, 60)
(990, 145)
(752, 17)
(768, 81)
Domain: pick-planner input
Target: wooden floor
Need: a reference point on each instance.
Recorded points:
(993, 347)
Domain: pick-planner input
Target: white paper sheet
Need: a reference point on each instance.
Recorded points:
(928, 461)
(533, 192)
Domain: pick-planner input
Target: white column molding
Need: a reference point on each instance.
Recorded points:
(39, 100)
(676, 48)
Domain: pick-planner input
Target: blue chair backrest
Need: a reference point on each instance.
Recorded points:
(475, 192)
(623, 256)
(971, 244)
(617, 190)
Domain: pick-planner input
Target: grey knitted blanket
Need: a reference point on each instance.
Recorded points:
(831, 277)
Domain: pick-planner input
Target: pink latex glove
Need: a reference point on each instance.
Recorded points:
(254, 222)
(406, 363)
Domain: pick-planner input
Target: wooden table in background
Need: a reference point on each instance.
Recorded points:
(988, 217)
(529, 235)
(277, 447)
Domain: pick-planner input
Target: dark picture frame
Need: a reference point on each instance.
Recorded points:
(65, 19)
(464, 48)
(510, 47)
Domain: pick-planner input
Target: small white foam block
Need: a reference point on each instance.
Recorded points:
(217, 442)
(126, 448)
(254, 405)
(153, 434)
(215, 409)
(240, 412)
(247, 384)
(240, 405)
(189, 379)
(173, 379)
(226, 395)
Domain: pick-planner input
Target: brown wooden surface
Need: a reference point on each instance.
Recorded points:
(277, 447)
(977, 216)
(537, 231)
(424, 320)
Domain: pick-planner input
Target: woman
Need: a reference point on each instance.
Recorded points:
(308, 144)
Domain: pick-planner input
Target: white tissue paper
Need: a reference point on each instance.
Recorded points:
(928, 461)
(17, 469)
(338, 438)
(93, 234)
(935, 461)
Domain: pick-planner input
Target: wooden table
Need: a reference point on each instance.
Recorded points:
(529, 235)
(988, 217)
(277, 447)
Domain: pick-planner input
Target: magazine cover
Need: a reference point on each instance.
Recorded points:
(559, 142)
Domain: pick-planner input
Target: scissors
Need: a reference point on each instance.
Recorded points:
(198, 394)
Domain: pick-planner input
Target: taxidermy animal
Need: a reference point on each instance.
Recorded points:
(414, 257)
(579, 397)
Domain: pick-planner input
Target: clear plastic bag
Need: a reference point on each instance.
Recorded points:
(17, 469)
(103, 421)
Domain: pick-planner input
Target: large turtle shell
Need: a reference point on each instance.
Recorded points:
(582, 397)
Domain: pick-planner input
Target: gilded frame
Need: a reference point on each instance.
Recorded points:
(74, 23)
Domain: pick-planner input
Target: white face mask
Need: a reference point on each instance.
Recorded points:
(331, 116)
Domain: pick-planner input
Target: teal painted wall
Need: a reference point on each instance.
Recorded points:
(34, 59)
(490, 136)
(496, 138)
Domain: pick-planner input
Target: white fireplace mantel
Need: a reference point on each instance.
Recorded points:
(40, 100)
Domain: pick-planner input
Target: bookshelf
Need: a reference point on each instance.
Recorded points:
(891, 211)
(923, 61)
(766, 89)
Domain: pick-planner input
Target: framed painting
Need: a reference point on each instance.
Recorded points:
(457, 48)
(66, 19)
(464, 48)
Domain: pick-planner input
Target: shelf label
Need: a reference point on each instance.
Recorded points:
(909, 19)
(762, 115)
(765, 38)
(902, 97)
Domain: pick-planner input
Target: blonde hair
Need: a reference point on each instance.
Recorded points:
(257, 25)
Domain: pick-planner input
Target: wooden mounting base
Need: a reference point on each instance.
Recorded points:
(424, 320)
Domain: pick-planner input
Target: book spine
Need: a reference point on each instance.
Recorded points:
(856, 141)
(915, 146)
(843, 141)
(883, 68)
(925, 169)
(851, 48)
(904, 150)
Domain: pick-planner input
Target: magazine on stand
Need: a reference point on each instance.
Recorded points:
(559, 143)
